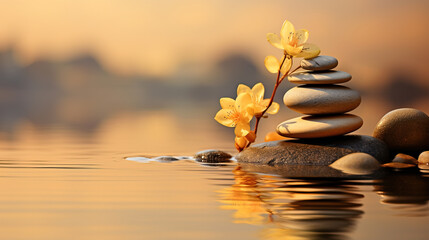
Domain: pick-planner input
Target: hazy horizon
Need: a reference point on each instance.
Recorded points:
(81, 64)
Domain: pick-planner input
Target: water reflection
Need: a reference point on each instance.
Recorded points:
(248, 198)
(293, 208)
(319, 208)
(407, 192)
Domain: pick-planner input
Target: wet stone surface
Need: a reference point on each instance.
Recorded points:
(404, 158)
(165, 159)
(212, 156)
(316, 152)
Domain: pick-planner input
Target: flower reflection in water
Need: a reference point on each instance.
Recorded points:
(293, 208)
(246, 198)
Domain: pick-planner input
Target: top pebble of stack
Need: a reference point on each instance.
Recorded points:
(319, 63)
(319, 72)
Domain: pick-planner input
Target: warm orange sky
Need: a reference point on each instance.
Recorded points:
(158, 37)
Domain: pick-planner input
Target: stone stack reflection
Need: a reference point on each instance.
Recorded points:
(311, 209)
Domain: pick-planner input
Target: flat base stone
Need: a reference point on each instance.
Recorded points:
(313, 152)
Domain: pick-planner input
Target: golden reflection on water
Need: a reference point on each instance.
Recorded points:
(295, 209)
(246, 199)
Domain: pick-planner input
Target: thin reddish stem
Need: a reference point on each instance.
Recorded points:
(295, 70)
(278, 81)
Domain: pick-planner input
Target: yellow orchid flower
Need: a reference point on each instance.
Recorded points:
(293, 43)
(259, 104)
(236, 113)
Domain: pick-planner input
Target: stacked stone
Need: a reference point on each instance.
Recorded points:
(323, 101)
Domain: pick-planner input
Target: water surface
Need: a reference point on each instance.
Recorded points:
(59, 183)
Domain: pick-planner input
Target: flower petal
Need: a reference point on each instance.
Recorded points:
(242, 129)
(287, 32)
(224, 117)
(227, 103)
(261, 106)
(302, 36)
(309, 51)
(272, 64)
(243, 89)
(250, 112)
(242, 102)
(258, 92)
(274, 108)
(287, 64)
(275, 40)
(291, 50)
(258, 109)
(265, 102)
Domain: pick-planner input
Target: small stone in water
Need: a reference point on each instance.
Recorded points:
(139, 159)
(398, 165)
(424, 157)
(165, 158)
(212, 156)
(404, 158)
(356, 163)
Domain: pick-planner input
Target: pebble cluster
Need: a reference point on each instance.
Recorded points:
(324, 102)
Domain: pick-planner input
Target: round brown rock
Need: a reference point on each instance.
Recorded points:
(212, 156)
(404, 130)
(321, 99)
(404, 158)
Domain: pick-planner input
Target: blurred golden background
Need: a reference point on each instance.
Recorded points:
(91, 65)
